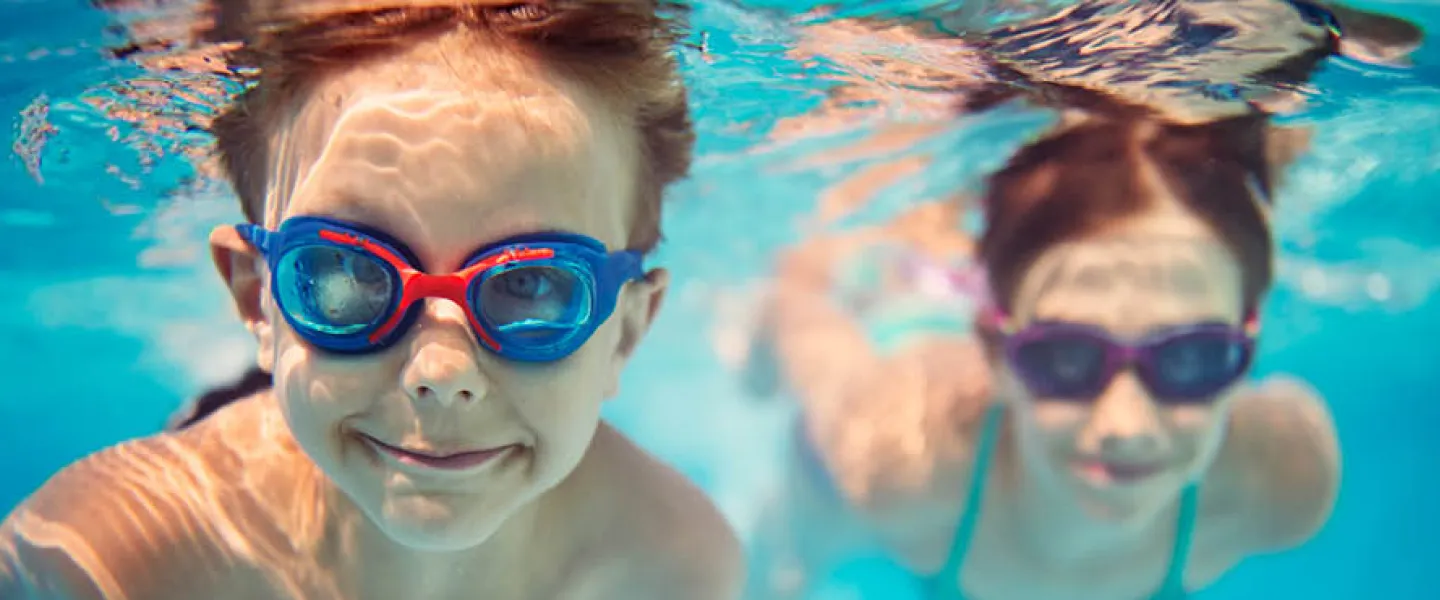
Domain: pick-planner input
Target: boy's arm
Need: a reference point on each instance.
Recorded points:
(116, 525)
(43, 554)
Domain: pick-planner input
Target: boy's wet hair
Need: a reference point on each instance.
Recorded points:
(1086, 177)
(622, 49)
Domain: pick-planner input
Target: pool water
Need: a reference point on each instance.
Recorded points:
(112, 314)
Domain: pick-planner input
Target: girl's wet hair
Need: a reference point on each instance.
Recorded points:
(622, 49)
(1086, 177)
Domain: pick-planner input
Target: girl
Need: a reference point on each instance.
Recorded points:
(1093, 437)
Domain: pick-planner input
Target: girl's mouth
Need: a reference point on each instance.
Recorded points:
(1107, 473)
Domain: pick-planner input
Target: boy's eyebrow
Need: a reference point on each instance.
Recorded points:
(519, 234)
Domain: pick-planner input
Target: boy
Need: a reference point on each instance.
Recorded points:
(448, 206)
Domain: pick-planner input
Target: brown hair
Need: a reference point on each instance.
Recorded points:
(620, 48)
(1078, 181)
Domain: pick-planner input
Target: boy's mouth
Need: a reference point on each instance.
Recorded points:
(443, 460)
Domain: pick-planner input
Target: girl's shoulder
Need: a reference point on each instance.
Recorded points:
(1279, 468)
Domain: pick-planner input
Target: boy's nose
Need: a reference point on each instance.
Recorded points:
(443, 366)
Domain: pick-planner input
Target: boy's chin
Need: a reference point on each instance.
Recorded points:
(438, 524)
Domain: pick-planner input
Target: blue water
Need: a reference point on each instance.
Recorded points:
(110, 314)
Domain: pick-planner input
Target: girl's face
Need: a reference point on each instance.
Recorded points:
(1124, 449)
(435, 438)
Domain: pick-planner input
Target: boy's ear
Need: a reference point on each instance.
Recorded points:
(636, 316)
(242, 269)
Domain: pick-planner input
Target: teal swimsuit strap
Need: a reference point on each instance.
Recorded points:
(1174, 586)
(943, 583)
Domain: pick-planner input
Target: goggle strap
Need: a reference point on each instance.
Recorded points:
(625, 266)
(257, 236)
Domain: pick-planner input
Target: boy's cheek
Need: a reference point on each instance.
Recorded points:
(264, 332)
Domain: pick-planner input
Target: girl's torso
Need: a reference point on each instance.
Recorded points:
(946, 558)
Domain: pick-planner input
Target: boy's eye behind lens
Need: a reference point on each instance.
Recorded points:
(533, 294)
(334, 290)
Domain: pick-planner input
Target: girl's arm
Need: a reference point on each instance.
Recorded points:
(1283, 437)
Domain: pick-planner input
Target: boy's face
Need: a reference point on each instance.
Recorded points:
(446, 167)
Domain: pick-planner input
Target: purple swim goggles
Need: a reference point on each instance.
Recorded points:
(1178, 365)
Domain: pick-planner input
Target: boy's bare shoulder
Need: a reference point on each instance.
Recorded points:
(682, 546)
(146, 518)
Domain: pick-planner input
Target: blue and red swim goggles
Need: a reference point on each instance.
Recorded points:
(348, 289)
